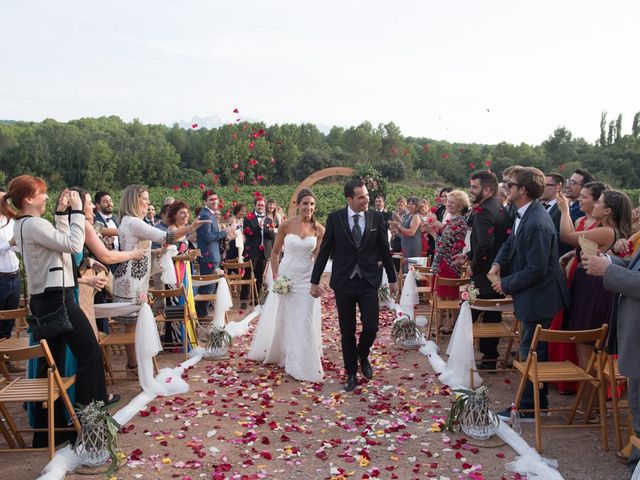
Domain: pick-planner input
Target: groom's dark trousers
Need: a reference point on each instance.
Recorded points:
(370, 255)
(357, 291)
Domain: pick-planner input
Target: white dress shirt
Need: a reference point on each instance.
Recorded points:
(521, 212)
(8, 260)
(112, 224)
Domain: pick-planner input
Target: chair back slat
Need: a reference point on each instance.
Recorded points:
(492, 302)
(206, 278)
(13, 314)
(23, 353)
(452, 282)
(174, 292)
(595, 335)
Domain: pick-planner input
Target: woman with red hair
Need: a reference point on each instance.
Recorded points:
(47, 260)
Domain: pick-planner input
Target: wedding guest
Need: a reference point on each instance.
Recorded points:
(104, 215)
(237, 222)
(272, 213)
(528, 266)
(9, 278)
(131, 278)
(622, 277)
(450, 242)
(379, 204)
(150, 217)
(259, 236)
(95, 249)
(441, 200)
(572, 189)
(209, 237)
(409, 231)
(178, 217)
(591, 304)
(397, 216)
(46, 252)
(554, 184)
(489, 224)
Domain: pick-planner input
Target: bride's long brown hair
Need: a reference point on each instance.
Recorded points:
(305, 192)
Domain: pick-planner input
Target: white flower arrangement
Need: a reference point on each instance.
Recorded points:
(416, 274)
(282, 285)
(469, 293)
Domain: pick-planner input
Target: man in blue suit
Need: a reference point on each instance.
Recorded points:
(209, 236)
(531, 274)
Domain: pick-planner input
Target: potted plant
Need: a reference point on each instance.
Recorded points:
(405, 333)
(98, 439)
(218, 342)
(472, 413)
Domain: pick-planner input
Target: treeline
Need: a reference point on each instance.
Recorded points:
(109, 153)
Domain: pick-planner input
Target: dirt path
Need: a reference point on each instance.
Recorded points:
(242, 420)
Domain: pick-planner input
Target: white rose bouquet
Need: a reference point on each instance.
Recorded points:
(282, 285)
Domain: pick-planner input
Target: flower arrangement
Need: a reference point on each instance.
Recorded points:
(374, 181)
(405, 332)
(218, 337)
(282, 285)
(469, 293)
(416, 274)
(384, 295)
(470, 411)
(141, 298)
(98, 439)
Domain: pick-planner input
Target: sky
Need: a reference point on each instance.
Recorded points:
(462, 71)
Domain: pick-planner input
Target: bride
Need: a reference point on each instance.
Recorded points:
(289, 331)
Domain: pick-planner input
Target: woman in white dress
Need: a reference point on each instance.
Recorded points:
(131, 278)
(289, 332)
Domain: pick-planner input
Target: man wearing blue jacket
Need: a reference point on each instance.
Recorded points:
(209, 236)
(528, 265)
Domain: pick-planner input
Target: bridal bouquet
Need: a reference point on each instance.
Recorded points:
(282, 285)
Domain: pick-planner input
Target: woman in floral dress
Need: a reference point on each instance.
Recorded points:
(451, 242)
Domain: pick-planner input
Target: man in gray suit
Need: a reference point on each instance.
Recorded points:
(623, 277)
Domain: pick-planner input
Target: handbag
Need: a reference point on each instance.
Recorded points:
(50, 324)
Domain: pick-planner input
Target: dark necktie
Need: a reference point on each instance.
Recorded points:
(357, 231)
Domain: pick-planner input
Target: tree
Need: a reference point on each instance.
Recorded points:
(100, 168)
(603, 125)
(311, 161)
(635, 128)
(618, 128)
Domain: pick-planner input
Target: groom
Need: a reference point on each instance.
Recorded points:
(356, 239)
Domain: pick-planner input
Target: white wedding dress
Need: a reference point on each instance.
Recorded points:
(289, 331)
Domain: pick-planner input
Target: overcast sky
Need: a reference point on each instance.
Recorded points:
(467, 71)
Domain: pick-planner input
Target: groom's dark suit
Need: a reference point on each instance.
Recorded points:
(350, 287)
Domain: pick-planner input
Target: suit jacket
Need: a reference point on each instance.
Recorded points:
(575, 212)
(623, 277)
(209, 236)
(253, 235)
(489, 230)
(555, 214)
(371, 254)
(530, 269)
(99, 218)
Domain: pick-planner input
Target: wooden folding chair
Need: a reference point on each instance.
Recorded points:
(206, 297)
(424, 289)
(495, 330)
(23, 390)
(115, 340)
(18, 315)
(539, 372)
(613, 377)
(236, 280)
(182, 314)
(440, 305)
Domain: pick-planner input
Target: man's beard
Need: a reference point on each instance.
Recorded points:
(479, 198)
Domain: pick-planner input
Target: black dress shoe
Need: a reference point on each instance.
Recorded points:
(367, 371)
(487, 367)
(351, 384)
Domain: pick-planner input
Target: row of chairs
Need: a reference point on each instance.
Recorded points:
(601, 373)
